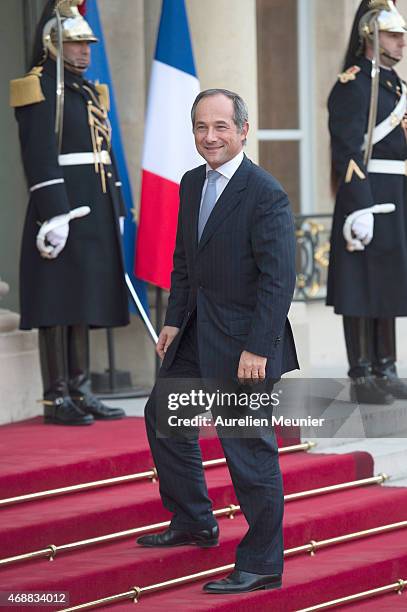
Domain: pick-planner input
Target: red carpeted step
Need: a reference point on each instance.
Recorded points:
(36, 457)
(303, 471)
(308, 581)
(337, 514)
(33, 525)
(107, 569)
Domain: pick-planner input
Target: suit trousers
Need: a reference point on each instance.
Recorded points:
(254, 468)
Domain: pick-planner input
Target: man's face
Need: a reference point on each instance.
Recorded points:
(393, 43)
(78, 56)
(217, 137)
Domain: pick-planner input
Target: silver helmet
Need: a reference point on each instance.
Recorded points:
(73, 27)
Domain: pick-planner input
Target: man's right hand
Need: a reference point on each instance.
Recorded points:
(165, 338)
(52, 237)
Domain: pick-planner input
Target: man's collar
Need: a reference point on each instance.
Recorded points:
(366, 65)
(229, 168)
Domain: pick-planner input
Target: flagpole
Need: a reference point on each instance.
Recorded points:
(141, 310)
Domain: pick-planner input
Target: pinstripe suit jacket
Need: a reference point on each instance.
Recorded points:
(240, 277)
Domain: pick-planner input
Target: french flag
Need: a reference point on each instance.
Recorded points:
(169, 149)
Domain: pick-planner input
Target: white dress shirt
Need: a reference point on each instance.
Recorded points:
(226, 171)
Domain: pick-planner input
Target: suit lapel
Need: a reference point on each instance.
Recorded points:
(227, 202)
(194, 198)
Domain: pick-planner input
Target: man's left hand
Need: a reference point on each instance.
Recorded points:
(252, 368)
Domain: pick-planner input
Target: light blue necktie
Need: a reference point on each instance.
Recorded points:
(208, 202)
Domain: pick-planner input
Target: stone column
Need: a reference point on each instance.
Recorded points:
(123, 29)
(225, 45)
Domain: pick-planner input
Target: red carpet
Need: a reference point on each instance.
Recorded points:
(36, 457)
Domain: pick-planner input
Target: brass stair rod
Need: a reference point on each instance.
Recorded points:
(52, 550)
(398, 587)
(358, 534)
(137, 592)
(149, 474)
(106, 600)
(78, 487)
(314, 545)
(339, 487)
(229, 511)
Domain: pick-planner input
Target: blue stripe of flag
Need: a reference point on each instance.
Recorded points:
(99, 70)
(174, 42)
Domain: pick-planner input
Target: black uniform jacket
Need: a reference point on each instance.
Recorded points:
(240, 278)
(84, 284)
(371, 283)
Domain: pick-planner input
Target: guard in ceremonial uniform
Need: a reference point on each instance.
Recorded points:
(367, 281)
(72, 271)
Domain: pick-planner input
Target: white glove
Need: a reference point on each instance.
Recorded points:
(53, 239)
(362, 228)
(53, 234)
(57, 237)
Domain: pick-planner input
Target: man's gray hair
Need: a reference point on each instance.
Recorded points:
(240, 114)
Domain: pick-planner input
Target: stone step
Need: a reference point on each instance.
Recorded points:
(390, 454)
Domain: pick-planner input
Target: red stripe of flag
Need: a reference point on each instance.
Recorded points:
(157, 229)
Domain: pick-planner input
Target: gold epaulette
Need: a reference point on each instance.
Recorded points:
(349, 74)
(27, 90)
(104, 96)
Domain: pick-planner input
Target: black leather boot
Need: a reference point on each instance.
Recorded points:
(59, 408)
(79, 377)
(359, 345)
(384, 364)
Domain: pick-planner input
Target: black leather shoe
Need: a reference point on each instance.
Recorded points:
(364, 390)
(243, 582)
(63, 411)
(91, 405)
(171, 537)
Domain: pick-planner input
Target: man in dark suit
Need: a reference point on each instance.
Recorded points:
(231, 289)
